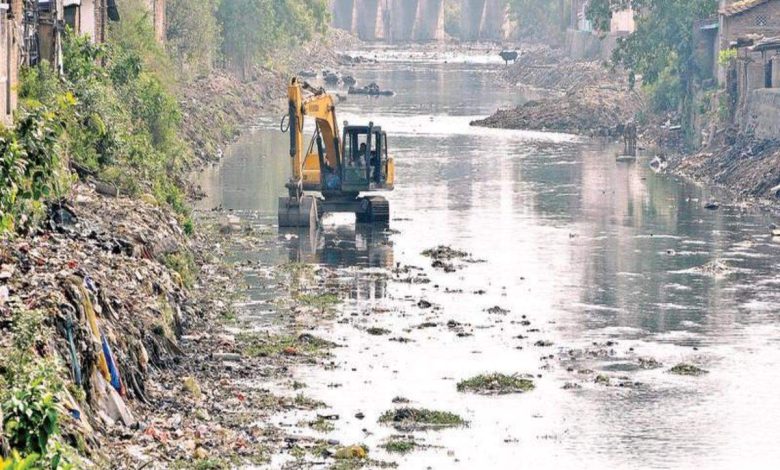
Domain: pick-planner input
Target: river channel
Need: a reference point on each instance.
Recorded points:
(597, 264)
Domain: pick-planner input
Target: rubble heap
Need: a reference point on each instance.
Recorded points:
(590, 99)
(97, 271)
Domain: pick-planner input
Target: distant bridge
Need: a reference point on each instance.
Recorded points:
(417, 20)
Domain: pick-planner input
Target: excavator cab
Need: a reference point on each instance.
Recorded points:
(366, 165)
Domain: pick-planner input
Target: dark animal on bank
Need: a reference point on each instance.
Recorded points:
(509, 56)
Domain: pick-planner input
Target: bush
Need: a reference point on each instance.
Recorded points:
(122, 120)
(29, 387)
(30, 166)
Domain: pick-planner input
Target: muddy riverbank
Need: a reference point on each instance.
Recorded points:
(588, 98)
(748, 168)
(217, 106)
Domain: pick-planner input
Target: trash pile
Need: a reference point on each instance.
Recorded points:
(746, 166)
(96, 271)
(589, 111)
(593, 100)
(548, 68)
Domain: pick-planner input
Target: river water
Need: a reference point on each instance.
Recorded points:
(608, 261)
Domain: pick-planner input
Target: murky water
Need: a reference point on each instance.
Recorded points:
(587, 249)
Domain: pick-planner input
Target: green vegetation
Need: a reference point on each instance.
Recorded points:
(538, 19)
(193, 34)
(726, 56)
(496, 383)
(30, 390)
(112, 114)
(322, 425)
(321, 302)
(687, 369)
(257, 345)
(400, 445)
(661, 48)
(183, 263)
(251, 29)
(420, 418)
(302, 401)
(30, 163)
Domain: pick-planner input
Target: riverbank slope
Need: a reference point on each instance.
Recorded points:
(586, 99)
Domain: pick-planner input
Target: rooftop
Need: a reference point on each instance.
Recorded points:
(741, 7)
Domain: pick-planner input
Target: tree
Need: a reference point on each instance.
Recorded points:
(541, 19)
(252, 28)
(193, 33)
(661, 48)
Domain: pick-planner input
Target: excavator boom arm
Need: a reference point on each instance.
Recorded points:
(321, 107)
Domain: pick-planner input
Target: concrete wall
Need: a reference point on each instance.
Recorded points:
(582, 45)
(623, 21)
(763, 113)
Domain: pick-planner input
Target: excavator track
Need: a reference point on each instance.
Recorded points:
(377, 211)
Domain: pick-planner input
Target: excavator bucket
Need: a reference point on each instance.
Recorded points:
(294, 212)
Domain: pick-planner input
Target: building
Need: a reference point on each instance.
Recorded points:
(583, 41)
(747, 17)
(90, 17)
(11, 13)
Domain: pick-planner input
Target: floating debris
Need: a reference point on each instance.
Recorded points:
(496, 310)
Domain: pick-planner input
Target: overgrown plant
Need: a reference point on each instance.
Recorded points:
(661, 49)
(30, 165)
(29, 387)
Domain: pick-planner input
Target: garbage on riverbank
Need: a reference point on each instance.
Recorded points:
(587, 111)
(749, 168)
(593, 100)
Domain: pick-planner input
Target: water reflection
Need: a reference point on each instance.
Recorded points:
(365, 245)
(347, 245)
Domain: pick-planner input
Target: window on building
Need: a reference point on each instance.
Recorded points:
(70, 16)
(762, 20)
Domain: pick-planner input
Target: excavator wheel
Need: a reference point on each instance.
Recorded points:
(295, 212)
(376, 210)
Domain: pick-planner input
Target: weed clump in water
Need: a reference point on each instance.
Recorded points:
(687, 369)
(376, 331)
(421, 418)
(399, 445)
(255, 345)
(496, 384)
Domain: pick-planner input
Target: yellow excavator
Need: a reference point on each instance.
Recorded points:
(332, 172)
